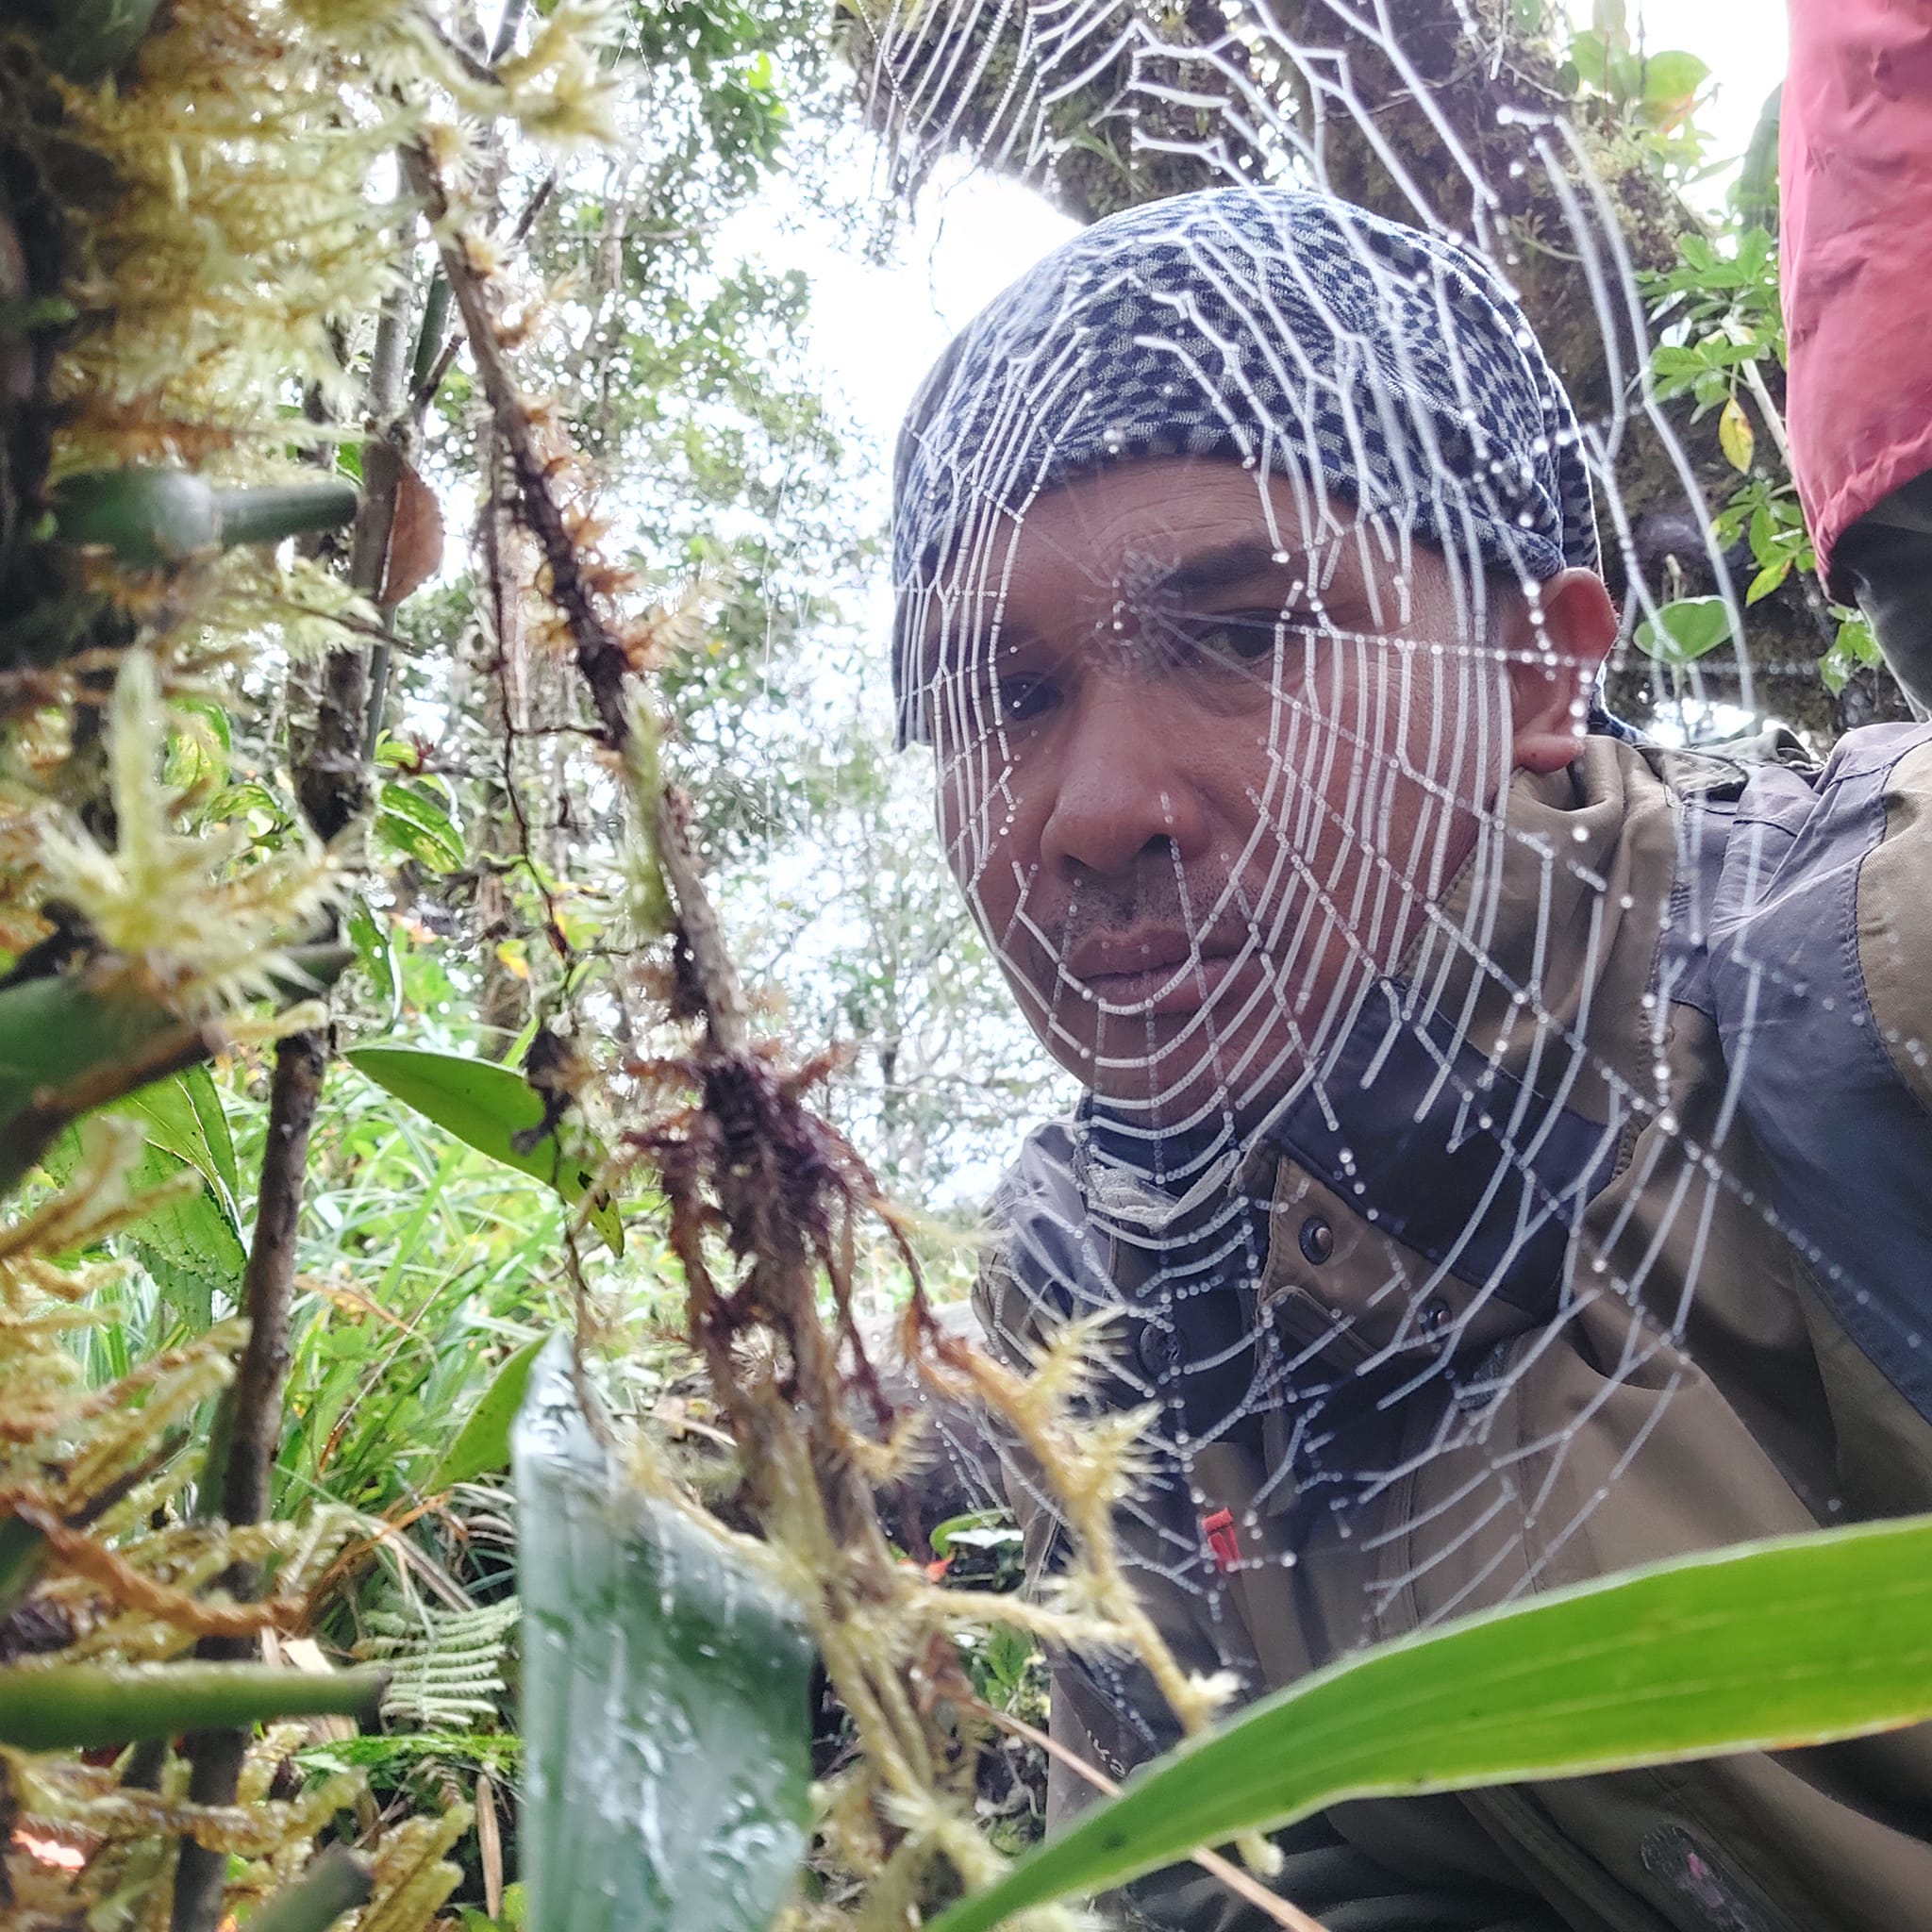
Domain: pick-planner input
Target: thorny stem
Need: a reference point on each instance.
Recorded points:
(829, 1499)
(726, 1014)
(601, 656)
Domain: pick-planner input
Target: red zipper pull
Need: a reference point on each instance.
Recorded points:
(1222, 1541)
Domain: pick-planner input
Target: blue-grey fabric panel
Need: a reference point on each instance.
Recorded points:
(1186, 1335)
(1454, 1155)
(1848, 1147)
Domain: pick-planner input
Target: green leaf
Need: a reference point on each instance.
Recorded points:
(55, 1031)
(183, 1114)
(1697, 252)
(1856, 645)
(941, 1534)
(1684, 632)
(667, 1746)
(1755, 196)
(1672, 77)
(191, 1244)
(1768, 579)
(1762, 1647)
(486, 1107)
(1590, 54)
(482, 1443)
(370, 935)
(1735, 435)
(414, 825)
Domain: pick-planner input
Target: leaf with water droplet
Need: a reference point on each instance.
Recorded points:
(667, 1731)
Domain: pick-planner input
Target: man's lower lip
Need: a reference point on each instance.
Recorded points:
(1163, 990)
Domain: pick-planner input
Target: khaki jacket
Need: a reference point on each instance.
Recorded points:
(1606, 1240)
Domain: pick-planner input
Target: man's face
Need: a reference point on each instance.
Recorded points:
(1201, 770)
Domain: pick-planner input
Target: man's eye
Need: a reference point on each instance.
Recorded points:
(1022, 697)
(1246, 638)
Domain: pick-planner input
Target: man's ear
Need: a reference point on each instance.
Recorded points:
(1558, 641)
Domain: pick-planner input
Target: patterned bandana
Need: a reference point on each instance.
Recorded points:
(1280, 328)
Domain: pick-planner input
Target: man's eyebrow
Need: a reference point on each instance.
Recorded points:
(1219, 568)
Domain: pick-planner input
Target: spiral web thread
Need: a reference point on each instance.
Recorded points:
(1450, 1019)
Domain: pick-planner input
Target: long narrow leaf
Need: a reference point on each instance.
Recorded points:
(482, 1443)
(1760, 1647)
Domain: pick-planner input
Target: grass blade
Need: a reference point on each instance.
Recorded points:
(1764, 1646)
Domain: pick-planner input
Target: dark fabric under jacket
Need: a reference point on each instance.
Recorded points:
(1619, 1227)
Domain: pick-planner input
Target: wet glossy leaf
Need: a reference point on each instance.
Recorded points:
(191, 1244)
(412, 824)
(183, 1115)
(1686, 630)
(488, 1106)
(482, 1443)
(1773, 1645)
(666, 1721)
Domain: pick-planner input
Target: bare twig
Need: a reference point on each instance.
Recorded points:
(254, 1436)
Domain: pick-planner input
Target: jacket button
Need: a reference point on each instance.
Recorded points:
(1317, 1240)
(1159, 1350)
(1436, 1312)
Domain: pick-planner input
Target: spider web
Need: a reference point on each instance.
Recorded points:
(1426, 1171)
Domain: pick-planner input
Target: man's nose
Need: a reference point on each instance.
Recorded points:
(1126, 783)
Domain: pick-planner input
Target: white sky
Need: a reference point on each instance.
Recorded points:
(877, 329)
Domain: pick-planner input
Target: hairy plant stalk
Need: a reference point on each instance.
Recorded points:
(781, 1185)
(600, 653)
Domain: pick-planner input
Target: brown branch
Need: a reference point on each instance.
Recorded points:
(601, 655)
(268, 1286)
(332, 784)
(254, 1437)
(727, 1011)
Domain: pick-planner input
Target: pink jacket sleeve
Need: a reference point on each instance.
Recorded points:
(1855, 173)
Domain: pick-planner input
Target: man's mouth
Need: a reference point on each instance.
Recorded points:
(1157, 968)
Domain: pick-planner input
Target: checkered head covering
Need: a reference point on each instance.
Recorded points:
(1284, 329)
